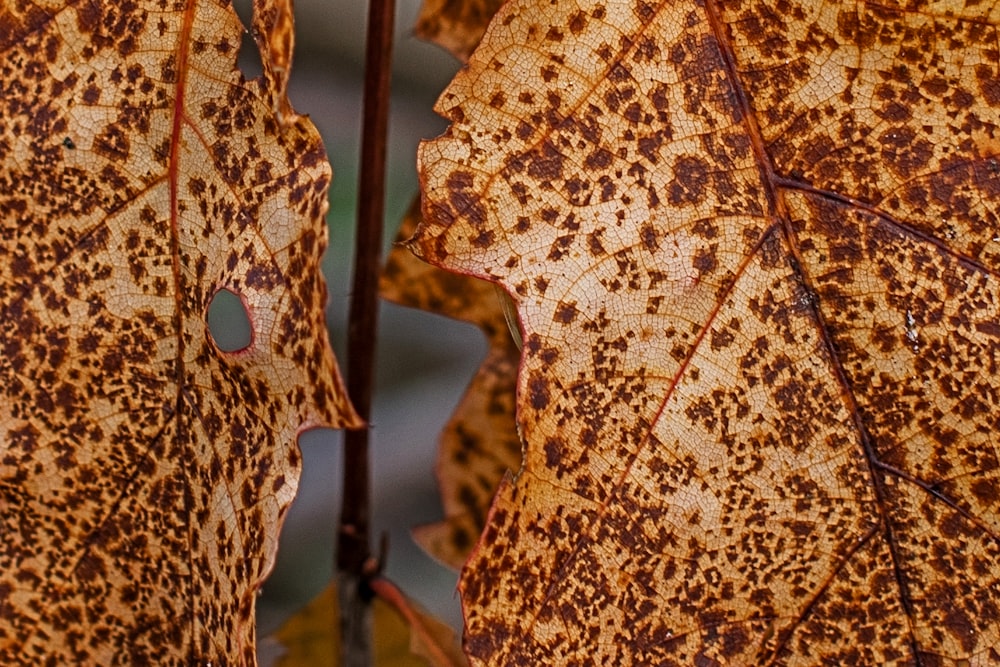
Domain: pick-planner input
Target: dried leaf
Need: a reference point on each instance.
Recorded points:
(274, 33)
(479, 444)
(455, 25)
(755, 253)
(309, 638)
(430, 638)
(144, 472)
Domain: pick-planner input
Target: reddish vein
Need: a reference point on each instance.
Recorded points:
(173, 172)
(780, 211)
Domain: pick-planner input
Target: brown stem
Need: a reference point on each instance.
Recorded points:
(355, 565)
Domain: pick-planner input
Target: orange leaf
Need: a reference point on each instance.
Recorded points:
(404, 634)
(479, 444)
(754, 252)
(455, 25)
(430, 638)
(144, 472)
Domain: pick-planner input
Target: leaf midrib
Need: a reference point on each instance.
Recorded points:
(173, 174)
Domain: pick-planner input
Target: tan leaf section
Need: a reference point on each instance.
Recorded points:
(754, 250)
(274, 34)
(479, 444)
(455, 25)
(144, 473)
(404, 635)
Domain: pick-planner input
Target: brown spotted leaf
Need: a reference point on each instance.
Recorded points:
(144, 472)
(455, 25)
(754, 250)
(479, 444)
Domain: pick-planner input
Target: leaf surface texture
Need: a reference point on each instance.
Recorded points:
(754, 250)
(144, 473)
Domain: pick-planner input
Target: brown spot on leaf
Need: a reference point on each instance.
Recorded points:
(690, 180)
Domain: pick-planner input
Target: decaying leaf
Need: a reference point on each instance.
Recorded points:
(754, 250)
(455, 25)
(144, 473)
(274, 34)
(479, 445)
(308, 637)
(404, 635)
(430, 638)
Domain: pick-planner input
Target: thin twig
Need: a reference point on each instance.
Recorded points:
(355, 565)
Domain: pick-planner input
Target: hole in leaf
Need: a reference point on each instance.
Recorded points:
(228, 322)
(249, 59)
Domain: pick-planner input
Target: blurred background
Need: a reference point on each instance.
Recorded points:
(424, 361)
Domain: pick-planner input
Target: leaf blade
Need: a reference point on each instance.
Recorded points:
(705, 467)
(146, 471)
